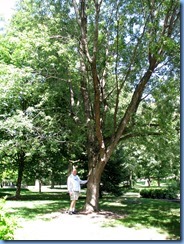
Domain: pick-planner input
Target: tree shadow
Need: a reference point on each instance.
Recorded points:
(33, 213)
(33, 196)
(128, 211)
(149, 213)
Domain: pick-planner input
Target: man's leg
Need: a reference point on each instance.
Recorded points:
(72, 206)
(74, 197)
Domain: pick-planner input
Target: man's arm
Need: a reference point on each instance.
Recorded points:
(82, 182)
(69, 185)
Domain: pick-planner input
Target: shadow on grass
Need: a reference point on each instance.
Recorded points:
(148, 213)
(31, 213)
(32, 205)
(134, 211)
(27, 195)
(40, 196)
(41, 208)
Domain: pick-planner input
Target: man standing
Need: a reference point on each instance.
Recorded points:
(73, 184)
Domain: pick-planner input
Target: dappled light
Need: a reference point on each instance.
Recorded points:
(148, 213)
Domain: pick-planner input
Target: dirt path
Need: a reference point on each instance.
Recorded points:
(95, 226)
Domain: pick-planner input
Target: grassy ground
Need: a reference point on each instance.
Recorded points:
(148, 213)
(134, 212)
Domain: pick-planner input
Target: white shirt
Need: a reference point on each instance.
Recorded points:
(74, 182)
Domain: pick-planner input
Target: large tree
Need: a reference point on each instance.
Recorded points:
(124, 47)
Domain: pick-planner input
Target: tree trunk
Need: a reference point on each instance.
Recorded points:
(21, 161)
(158, 181)
(131, 181)
(93, 186)
(52, 184)
(38, 185)
(52, 179)
(149, 182)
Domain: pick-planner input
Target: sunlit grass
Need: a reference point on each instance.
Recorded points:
(150, 213)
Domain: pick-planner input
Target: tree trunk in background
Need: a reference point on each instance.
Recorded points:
(52, 184)
(52, 179)
(38, 185)
(158, 181)
(21, 161)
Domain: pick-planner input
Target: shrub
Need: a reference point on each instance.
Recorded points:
(145, 193)
(160, 193)
(7, 224)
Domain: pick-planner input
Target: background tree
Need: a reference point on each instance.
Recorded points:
(16, 125)
(27, 44)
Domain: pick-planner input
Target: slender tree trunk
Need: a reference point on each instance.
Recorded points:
(130, 179)
(40, 186)
(52, 184)
(158, 181)
(52, 179)
(21, 159)
(149, 182)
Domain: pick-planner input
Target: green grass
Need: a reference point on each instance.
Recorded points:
(139, 212)
(32, 205)
(136, 212)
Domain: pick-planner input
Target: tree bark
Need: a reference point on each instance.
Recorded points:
(93, 186)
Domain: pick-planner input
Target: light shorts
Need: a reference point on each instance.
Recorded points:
(74, 195)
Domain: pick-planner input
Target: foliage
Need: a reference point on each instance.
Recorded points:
(7, 223)
(170, 192)
(114, 174)
(34, 74)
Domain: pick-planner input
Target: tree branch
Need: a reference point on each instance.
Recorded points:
(131, 108)
(83, 18)
(132, 135)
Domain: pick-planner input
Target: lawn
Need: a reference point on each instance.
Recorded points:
(134, 212)
(140, 212)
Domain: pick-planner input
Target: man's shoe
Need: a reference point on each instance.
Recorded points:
(70, 212)
(74, 212)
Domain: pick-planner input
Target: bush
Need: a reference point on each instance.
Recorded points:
(145, 193)
(7, 224)
(160, 193)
